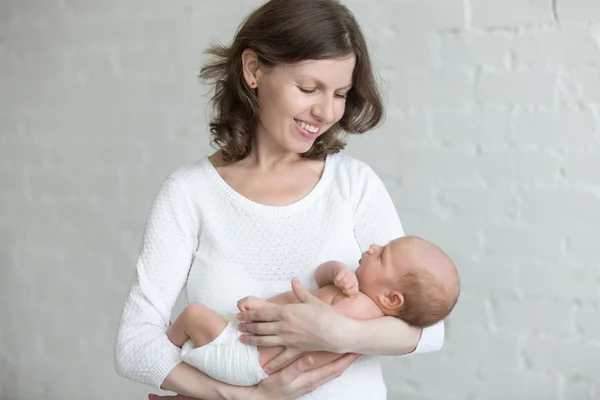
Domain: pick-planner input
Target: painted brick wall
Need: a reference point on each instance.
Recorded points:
(490, 148)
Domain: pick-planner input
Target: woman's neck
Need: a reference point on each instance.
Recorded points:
(268, 155)
(269, 161)
(265, 157)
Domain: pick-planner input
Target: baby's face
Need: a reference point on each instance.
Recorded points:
(378, 266)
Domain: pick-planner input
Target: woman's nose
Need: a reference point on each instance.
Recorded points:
(324, 110)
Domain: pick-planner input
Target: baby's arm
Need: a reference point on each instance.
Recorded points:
(326, 272)
(338, 274)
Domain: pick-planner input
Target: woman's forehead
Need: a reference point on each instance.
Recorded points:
(329, 72)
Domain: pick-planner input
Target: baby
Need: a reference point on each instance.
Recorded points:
(409, 278)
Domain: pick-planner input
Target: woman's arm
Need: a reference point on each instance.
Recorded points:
(187, 380)
(143, 352)
(389, 336)
(313, 325)
(290, 383)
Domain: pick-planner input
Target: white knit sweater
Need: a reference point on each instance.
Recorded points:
(203, 236)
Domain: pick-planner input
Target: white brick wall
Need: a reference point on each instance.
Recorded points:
(491, 148)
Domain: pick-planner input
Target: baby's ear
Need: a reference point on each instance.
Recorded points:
(392, 301)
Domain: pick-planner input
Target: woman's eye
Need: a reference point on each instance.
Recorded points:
(341, 95)
(308, 91)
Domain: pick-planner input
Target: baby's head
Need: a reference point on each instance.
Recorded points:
(410, 278)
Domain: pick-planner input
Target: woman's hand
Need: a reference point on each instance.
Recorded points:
(299, 378)
(309, 326)
(290, 383)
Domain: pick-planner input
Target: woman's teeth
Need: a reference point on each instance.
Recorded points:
(307, 127)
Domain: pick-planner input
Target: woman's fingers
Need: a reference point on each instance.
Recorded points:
(300, 378)
(305, 364)
(260, 328)
(267, 314)
(306, 379)
(328, 372)
(268, 341)
(278, 312)
(298, 368)
(301, 293)
(282, 360)
(288, 383)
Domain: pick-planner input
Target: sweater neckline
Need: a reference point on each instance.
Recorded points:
(299, 204)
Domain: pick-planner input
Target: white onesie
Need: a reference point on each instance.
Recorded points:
(226, 359)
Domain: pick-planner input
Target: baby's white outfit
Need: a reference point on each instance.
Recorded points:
(226, 359)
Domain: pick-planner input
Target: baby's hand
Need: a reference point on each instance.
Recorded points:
(249, 303)
(347, 282)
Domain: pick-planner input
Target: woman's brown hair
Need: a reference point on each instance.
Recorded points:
(287, 32)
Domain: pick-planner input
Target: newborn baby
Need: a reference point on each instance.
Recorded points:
(409, 278)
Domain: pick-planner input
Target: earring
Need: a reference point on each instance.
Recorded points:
(252, 84)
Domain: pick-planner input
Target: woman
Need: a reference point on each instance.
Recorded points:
(276, 200)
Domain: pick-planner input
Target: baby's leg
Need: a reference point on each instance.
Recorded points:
(197, 322)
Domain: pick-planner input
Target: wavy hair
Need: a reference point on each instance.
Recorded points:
(287, 32)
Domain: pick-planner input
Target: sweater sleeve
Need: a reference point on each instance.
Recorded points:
(376, 221)
(143, 353)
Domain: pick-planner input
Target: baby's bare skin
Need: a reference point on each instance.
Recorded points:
(203, 325)
(359, 306)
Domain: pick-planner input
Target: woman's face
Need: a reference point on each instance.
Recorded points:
(299, 102)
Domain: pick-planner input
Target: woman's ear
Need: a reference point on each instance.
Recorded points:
(251, 68)
(392, 301)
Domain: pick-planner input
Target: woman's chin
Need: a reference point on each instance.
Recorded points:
(301, 148)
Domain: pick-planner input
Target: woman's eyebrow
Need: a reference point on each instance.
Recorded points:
(322, 84)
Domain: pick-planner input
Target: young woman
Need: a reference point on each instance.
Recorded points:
(277, 199)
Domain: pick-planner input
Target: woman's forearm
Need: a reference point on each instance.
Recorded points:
(187, 380)
(386, 336)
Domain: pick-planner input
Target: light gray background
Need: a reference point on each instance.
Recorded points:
(490, 148)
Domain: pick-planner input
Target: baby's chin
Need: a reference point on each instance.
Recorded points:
(361, 282)
(368, 289)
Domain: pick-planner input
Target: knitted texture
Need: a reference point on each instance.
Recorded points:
(219, 246)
